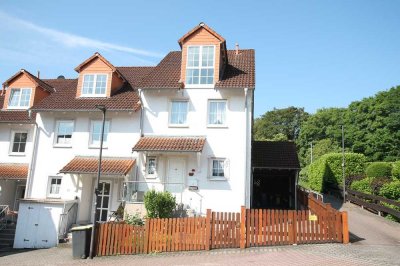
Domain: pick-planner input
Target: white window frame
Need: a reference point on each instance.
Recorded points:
(225, 124)
(19, 101)
(105, 142)
(200, 67)
(62, 145)
(226, 169)
(54, 195)
(93, 94)
(170, 113)
(13, 132)
(147, 166)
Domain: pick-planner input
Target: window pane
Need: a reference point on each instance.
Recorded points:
(105, 202)
(101, 84)
(192, 76)
(55, 185)
(88, 83)
(25, 97)
(104, 215)
(64, 134)
(96, 132)
(19, 143)
(151, 166)
(15, 95)
(193, 56)
(179, 112)
(217, 113)
(218, 168)
(207, 56)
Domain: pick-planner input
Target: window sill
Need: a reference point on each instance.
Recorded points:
(17, 154)
(17, 107)
(179, 126)
(199, 86)
(53, 196)
(98, 147)
(217, 179)
(61, 146)
(216, 126)
(151, 176)
(92, 96)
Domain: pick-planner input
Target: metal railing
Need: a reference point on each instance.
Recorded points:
(133, 191)
(4, 210)
(67, 219)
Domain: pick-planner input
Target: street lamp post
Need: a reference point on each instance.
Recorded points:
(103, 109)
(343, 167)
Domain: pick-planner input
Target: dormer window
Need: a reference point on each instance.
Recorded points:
(200, 65)
(94, 85)
(19, 98)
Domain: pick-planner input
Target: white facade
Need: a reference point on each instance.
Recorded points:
(13, 189)
(227, 141)
(51, 158)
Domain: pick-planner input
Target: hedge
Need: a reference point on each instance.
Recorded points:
(363, 185)
(391, 190)
(379, 169)
(396, 170)
(327, 170)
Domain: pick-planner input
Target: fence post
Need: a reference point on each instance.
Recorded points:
(345, 228)
(146, 236)
(243, 227)
(208, 229)
(294, 227)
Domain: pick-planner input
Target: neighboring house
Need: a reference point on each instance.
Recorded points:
(17, 134)
(182, 126)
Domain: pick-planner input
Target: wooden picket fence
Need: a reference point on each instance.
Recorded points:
(320, 223)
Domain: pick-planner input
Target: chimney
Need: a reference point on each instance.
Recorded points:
(236, 48)
(38, 74)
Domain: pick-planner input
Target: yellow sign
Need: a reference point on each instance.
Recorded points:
(312, 217)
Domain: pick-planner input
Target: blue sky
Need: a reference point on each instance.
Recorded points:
(310, 54)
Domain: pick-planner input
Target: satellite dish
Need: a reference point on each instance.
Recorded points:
(60, 77)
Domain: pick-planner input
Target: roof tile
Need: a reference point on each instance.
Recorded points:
(89, 165)
(275, 155)
(13, 171)
(180, 144)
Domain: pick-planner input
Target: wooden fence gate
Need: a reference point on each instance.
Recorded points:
(320, 223)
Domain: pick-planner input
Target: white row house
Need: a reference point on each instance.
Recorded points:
(183, 126)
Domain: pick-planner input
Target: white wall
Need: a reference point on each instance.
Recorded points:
(227, 142)
(5, 142)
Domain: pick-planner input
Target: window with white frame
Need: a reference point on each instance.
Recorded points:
(64, 133)
(151, 166)
(94, 85)
(200, 65)
(219, 168)
(95, 133)
(217, 112)
(178, 112)
(18, 142)
(54, 186)
(19, 98)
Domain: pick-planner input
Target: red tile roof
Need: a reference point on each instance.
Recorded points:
(239, 73)
(89, 165)
(275, 155)
(65, 96)
(36, 80)
(177, 144)
(13, 171)
(14, 116)
(201, 25)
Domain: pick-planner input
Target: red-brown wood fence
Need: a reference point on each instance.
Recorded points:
(249, 228)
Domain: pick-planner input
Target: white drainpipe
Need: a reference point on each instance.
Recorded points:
(29, 181)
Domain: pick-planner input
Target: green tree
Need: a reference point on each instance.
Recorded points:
(320, 148)
(280, 124)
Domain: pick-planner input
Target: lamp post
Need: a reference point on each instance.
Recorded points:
(343, 167)
(103, 109)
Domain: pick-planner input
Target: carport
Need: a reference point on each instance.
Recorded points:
(275, 168)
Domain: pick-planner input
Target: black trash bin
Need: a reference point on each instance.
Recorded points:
(81, 241)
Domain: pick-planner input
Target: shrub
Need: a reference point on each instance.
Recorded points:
(327, 170)
(159, 204)
(350, 179)
(379, 169)
(377, 183)
(134, 219)
(396, 170)
(391, 190)
(363, 185)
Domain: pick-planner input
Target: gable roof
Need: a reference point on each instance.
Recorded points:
(102, 58)
(64, 98)
(204, 26)
(274, 155)
(238, 73)
(34, 79)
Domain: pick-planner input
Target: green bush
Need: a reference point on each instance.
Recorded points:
(363, 185)
(159, 204)
(396, 170)
(379, 169)
(391, 190)
(134, 219)
(377, 183)
(327, 170)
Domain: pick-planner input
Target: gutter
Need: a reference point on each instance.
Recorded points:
(141, 113)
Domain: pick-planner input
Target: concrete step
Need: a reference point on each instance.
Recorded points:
(7, 235)
(7, 241)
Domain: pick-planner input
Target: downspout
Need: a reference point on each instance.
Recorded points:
(29, 180)
(246, 172)
(141, 112)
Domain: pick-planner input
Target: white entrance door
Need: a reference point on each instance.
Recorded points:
(103, 201)
(176, 174)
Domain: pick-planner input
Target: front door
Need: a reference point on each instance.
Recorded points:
(176, 174)
(103, 201)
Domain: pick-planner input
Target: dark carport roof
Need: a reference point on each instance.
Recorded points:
(275, 155)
